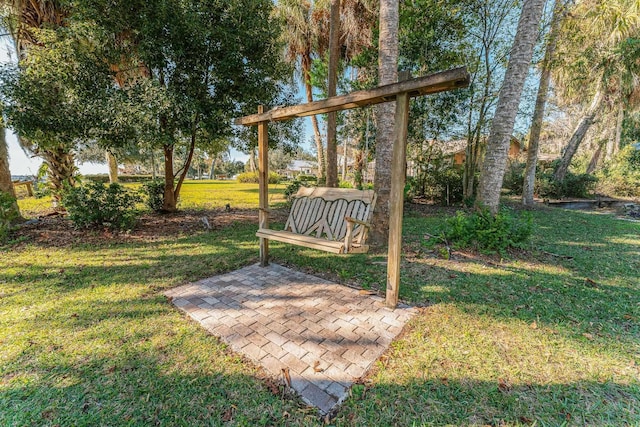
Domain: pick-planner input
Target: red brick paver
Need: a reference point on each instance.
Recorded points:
(325, 334)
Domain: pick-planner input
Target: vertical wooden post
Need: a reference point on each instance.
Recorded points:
(263, 179)
(396, 198)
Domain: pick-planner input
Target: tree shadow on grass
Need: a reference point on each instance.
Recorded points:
(446, 401)
(165, 384)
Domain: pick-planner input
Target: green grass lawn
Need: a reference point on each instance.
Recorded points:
(204, 194)
(551, 337)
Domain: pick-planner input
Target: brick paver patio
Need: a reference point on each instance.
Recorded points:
(317, 336)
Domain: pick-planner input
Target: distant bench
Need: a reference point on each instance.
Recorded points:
(27, 184)
(334, 220)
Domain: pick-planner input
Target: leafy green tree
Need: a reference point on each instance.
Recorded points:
(56, 97)
(198, 64)
(596, 65)
(23, 20)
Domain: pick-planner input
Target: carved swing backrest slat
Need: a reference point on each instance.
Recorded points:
(321, 212)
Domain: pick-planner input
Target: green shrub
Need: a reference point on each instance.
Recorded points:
(293, 188)
(252, 177)
(485, 231)
(95, 205)
(8, 214)
(514, 177)
(574, 185)
(104, 178)
(442, 184)
(313, 180)
(621, 176)
(153, 192)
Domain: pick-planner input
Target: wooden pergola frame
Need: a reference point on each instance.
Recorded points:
(400, 92)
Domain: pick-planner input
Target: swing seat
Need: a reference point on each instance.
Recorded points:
(335, 220)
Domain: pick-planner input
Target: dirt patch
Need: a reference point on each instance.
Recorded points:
(55, 230)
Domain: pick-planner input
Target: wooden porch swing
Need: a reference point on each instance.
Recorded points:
(329, 212)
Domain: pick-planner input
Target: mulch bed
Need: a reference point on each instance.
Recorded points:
(55, 230)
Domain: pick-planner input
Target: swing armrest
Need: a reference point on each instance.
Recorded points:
(357, 221)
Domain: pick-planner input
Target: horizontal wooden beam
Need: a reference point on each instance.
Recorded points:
(434, 83)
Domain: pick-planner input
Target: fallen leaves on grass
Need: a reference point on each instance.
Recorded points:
(286, 376)
(227, 415)
(503, 385)
(590, 282)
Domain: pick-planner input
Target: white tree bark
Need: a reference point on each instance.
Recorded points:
(387, 73)
(495, 160)
(538, 113)
(578, 135)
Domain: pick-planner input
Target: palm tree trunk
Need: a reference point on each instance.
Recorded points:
(306, 70)
(60, 161)
(6, 183)
(538, 112)
(578, 135)
(387, 73)
(332, 117)
(495, 161)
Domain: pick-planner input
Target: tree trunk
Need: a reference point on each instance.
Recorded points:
(252, 160)
(538, 112)
(212, 170)
(61, 171)
(594, 159)
(613, 145)
(495, 160)
(306, 70)
(578, 135)
(332, 117)
(113, 167)
(154, 167)
(187, 162)
(6, 183)
(345, 159)
(170, 201)
(387, 73)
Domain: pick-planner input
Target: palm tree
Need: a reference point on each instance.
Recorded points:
(387, 73)
(23, 19)
(541, 101)
(332, 122)
(301, 36)
(596, 64)
(495, 160)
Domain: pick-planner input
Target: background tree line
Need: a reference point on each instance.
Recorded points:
(168, 77)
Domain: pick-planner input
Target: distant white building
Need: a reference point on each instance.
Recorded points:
(301, 167)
